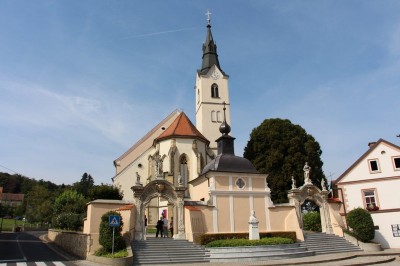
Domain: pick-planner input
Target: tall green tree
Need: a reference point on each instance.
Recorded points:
(84, 185)
(280, 149)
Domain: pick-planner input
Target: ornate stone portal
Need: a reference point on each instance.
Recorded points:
(298, 196)
(158, 188)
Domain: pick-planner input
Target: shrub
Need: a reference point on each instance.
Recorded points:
(119, 254)
(68, 221)
(361, 223)
(247, 242)
(312, 221)
(106, 234)
(207, 238)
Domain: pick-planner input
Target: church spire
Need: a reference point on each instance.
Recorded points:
(210, 56)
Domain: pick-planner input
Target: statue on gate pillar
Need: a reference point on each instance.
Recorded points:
(307, 170)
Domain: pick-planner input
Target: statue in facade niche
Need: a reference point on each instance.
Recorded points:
(158, 165)
(137, 177)
(180, 180)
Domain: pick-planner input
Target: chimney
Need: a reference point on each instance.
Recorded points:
(371, 144)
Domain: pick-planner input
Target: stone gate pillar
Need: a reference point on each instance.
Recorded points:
(139, 226)
(180, 234)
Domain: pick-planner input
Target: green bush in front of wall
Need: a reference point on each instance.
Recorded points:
(247, 242)
(106, 233)
(362, 225)
(207, 238)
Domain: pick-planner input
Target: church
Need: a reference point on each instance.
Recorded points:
(189, 172)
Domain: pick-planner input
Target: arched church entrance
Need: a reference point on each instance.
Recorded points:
(311, 217)
(163, 189)
(310, 197)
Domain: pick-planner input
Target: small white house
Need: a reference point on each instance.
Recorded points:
(373, 183)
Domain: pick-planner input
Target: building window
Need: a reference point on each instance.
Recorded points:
(240, 183)
(219, 116)
(396, 230)
(396, 163)
(370, 199)
(374, 166)
(214, 91)
(213, 116)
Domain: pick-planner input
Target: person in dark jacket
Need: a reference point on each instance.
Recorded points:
(159, 227)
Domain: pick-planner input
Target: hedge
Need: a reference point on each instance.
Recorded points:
(207, 238)
(247, 242)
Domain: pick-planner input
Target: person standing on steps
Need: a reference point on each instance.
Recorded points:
(145, 224)
(165, 227)
(171, 226)
(159, 227)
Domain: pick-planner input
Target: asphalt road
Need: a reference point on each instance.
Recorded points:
(25, 248)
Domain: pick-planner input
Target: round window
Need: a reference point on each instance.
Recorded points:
(240, 183)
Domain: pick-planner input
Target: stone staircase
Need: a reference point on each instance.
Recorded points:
(322, 243)
(167, 251)
(258, 253)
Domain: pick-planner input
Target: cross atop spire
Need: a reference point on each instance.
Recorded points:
(224, 128)
(208, 14)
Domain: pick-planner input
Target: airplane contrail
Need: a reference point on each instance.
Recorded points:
(160, 33)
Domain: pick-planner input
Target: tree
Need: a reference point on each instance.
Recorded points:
(69, 210)
(85, 184)
(39, 202)
(280, 149)
(69, 201)
(312, 221)
(362, 224)
(105, 192)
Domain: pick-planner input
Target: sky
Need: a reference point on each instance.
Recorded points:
(82, 81)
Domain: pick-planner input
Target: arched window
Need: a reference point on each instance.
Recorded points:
(183, 168)
(214, 91)
(213, 116)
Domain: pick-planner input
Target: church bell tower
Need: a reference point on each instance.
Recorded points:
(211, 92)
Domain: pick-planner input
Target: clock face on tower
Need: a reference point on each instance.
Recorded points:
(215, 75)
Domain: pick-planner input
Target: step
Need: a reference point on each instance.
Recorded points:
(322, 243)
(167, 251)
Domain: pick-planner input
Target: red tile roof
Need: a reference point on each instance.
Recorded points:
(125, 208)
(191, 208)
(182, 127)
(11, 197)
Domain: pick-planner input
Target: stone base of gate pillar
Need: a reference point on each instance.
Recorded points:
(139, 236)
(180, 236)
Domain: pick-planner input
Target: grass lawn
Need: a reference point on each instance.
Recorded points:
(9, 224)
